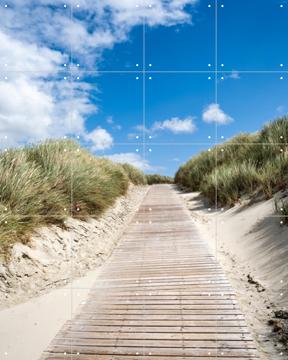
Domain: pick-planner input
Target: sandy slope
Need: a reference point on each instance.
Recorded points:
(252, 247)
(56, 256)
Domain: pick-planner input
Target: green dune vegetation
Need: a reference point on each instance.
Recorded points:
(45, 183)
(246, 165)
(159, 179)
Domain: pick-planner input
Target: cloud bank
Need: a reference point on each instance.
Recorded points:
(37, 38)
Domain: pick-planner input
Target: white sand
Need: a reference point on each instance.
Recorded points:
(27, 329)
(248, 240)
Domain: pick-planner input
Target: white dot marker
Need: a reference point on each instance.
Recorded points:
(281, 77)
(137, 65)
(137, 77)
(150, 77)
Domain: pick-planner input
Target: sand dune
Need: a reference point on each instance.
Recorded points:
(252, 246)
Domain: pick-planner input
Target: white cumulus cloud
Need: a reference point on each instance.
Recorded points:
(214, 114)
(100, 138)
(132, 159)
(176, 125)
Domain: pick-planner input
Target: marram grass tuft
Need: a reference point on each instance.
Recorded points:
(43, 184)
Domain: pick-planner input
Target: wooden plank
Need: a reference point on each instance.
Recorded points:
(161, 295)
(136, 335)
(147, 356)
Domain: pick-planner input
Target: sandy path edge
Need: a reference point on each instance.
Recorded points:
(248, 240)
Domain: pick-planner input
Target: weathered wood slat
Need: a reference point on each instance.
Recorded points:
(161, 295)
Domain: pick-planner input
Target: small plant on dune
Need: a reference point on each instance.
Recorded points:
(281, 207)
(158, 179)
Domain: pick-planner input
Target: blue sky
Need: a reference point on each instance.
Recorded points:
(76, 69)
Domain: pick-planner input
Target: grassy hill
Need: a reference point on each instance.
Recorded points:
(45, 183)
(246, 165)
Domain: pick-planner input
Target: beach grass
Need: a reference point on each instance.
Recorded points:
(43, 184)
(246, 165)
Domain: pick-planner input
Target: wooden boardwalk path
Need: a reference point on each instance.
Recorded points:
(160, 296)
